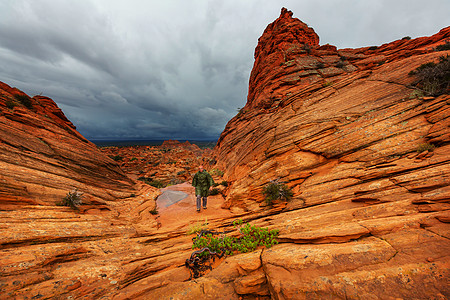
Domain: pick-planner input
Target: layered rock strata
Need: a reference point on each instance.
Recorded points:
(367, 159)
(43, 157)
(369, 218)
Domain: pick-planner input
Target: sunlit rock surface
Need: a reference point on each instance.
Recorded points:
(369, 218)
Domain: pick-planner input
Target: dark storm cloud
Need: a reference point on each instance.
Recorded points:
(172, 69)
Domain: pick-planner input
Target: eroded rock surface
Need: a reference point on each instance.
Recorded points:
(343, 129)
(172, 162)
(369, 218)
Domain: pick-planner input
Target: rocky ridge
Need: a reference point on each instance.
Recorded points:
(367, 159)
(365, 201)
(170, 163)
(43, 156)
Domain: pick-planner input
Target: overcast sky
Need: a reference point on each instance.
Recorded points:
(175, 68)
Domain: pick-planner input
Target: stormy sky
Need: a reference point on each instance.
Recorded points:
(178, 69)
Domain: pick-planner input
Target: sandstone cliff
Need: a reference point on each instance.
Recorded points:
(43, 156)
(343, 128)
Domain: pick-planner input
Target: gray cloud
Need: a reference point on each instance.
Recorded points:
(172, 69)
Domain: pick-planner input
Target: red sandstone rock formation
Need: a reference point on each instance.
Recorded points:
(44, 157)
(170, 163)
(369, 218)
(342, 128)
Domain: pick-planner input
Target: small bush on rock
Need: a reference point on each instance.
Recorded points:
(425, 147)
(443, 47)
(277, 190)
(73, 199)
(25, 100)
(10, 104)
(214, 191)
(432, 78)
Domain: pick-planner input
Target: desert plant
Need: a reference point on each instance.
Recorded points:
(24, 99)
(214, 191)
(251, 237)
(443, 47)
(197, 227)
(340, 64)
(327, 83)
(320, 65)
(73, 199)
(307, 48)
(116, 157)
(154, 211)
(434, 78)
(10, 104)
(416, 94)
(276, 190)
(425, 147)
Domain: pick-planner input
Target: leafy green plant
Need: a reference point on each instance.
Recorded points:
(73, 199)
(251, 237)
(276, 190)
(425, 147)
(434, 78)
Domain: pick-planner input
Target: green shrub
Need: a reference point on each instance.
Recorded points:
(320, 65)
(434, 78)
(425, 147)
(10, 104)
(251, 237)
(154, 211)
(214, 191)
(327, 83)
(116, 157)
(276, 190)
(73, 199)
(443, 47)
(224, 183)
(155, 183)
(197, 227)
(416, 94)
(24, 99)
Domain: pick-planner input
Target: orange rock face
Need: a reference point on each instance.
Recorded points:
(367, 160)
(43, 157)
(344, 130)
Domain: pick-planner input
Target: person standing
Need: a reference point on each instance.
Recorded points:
(202, 182)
